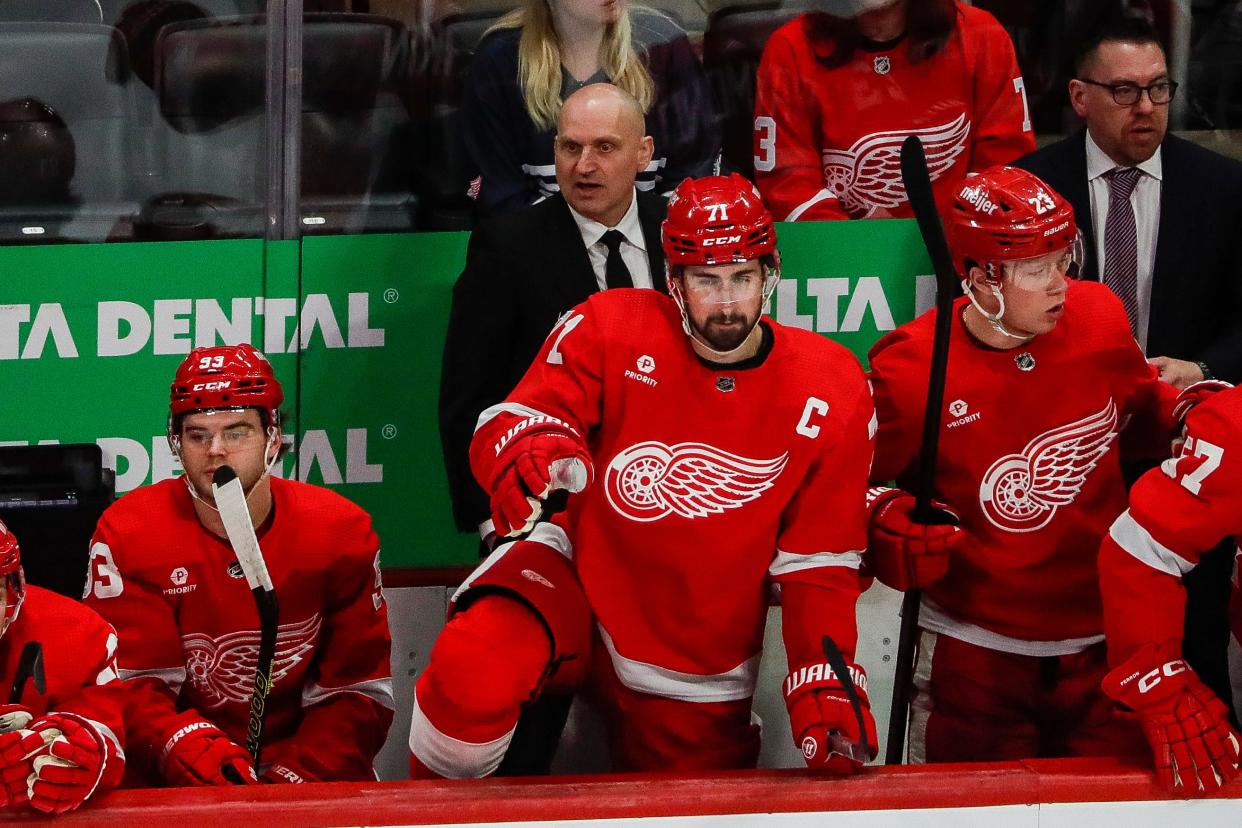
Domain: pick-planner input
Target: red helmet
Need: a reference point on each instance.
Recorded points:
(1003, 214)
(11, 572)
(227, 376)
(717, 220)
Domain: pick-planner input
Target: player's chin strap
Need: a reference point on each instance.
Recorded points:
(772, 276)
(994, 319)
(174, 443)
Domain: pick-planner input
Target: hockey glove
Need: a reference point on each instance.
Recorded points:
(904, 553)
(17, 749)
(824, 720)
(77, 759)
(543, 454)
(200, 754)
(14, 717)
(1194, 394)
(1195, 749)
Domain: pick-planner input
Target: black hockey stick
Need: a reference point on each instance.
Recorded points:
(860, 753)
(29, 665)
(231, 501)
(919, 191)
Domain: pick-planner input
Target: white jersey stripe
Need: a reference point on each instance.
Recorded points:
(1131, 536)
(378, 690)
(453, 758)
(736, 684)
(505, 408)
(932, 617)
(786, 562)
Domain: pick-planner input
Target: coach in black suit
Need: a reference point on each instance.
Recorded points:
(1187, 217)
(526, 268)
(1187, 204)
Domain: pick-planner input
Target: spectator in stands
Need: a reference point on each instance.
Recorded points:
(1159, 217)
(525, 268)
(538, 55)
(164, 572)
(838, 92)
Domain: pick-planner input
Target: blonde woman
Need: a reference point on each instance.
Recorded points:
(539, 54)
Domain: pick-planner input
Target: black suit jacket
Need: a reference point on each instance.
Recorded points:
(1196, 291)
(523, 270)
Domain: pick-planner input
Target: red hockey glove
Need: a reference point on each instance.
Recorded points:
(537, 455)
(200, 754)
(906, 554)
(74, 764)
(1194, 394)
(824, 720)
(1195, 749)
(17, 749)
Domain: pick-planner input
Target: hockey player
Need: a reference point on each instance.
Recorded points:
(836, 95)
(1043, 377)
(1176, 512)
(163, 572)
(711, 450)
(60, 737)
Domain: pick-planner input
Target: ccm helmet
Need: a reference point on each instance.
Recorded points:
(717, 220)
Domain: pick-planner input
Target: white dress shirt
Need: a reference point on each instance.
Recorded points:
(1146, 203)
(633, 248)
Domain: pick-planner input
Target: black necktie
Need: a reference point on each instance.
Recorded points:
(1121, 240)
(616, 274)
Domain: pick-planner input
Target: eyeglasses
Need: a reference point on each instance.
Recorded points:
(1128, 94)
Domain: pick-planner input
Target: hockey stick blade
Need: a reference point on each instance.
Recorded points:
(235, 514)
(919, 191)
(231, 501)
(29, 664)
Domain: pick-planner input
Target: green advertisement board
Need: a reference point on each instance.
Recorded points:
(354, 325)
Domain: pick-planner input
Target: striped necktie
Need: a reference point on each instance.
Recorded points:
(1121, 240)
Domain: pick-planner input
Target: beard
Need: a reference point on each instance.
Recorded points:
(726, 330)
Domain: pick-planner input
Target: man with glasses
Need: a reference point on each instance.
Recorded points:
(1046, 389)
(710, 451)
(1160, 216)
(163, 572)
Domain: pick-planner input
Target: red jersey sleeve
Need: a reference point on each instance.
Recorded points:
(149, 654)
(1176, 512)
(823, 529)
(564, 381)
(348, 705)
(1002, 118)
(898, 380)
(789, 169)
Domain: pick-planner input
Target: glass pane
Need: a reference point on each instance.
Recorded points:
(131, 120)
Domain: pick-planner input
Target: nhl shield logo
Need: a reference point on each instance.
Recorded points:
(882, 64)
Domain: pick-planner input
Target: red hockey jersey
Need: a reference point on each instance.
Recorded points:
(828, 141)
(1028, 458)
(189, 629)
(79, 667)
(709, 480)
(1176, 512)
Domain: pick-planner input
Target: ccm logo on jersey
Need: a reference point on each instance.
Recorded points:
(215, 385)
